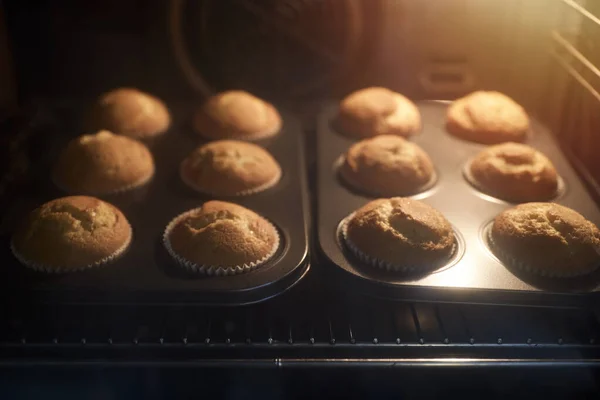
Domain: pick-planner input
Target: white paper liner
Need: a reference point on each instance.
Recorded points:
(355, 186)
(214, 270)
(192, 185)
(374, 262)
(506, 258)
(143, 181)
(60, 270)
(560, 187)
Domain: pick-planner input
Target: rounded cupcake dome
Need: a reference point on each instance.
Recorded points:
(237, 114)
(230, 168)
(221, 238)
(130, 112)
(377, 111)
(399, 234)
(388, 166)
(103, 163)
(546, 239)
(487, 117)
(514, 172)
(71, 233)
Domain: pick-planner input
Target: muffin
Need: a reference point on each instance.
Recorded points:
(238, 115)
(377, 111)
(70, 234)
(387, 166)
(487, 118)
(513, 172)
(221, 238)
(230, 168)
(130, 112)
(103, 163)
(399, 234)
(546, 239)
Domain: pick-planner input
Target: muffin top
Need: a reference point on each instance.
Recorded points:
(236, 114)
(71, 233)
(514, 172)
(401, 232)
(222, 234)
(377, 111)
(488, 118)
(130, 112)
(387, 165)
(547, 237)
(230, 168)
(103, 163)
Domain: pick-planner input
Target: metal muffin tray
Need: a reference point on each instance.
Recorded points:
(146, 273)
(474, 274)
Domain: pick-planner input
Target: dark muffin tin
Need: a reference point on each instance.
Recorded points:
(475, 274)
(146, 273)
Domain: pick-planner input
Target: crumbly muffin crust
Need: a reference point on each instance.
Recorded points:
(71, 233)
(103, 163)
(487, 117)
(237, 114)
(546, 238)
(230, 168)
(514, 172)
(377, 111)
(387, 165)
(401, 232)
(130, 112)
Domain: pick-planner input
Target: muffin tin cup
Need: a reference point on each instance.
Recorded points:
(214, 270)
(476, 275)
(60, 270)
(506, 258)
(560, 188)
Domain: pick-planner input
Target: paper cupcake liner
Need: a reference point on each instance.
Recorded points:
(214, 270)
(248, 138)
(560, 187)
(381, 264)
(136, 185)
(356, 187)
(246, 192)
(60, 270)
(512, 262)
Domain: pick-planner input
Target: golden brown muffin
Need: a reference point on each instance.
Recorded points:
(488, 118)
(230, 168)
(387, 166)
(236, 114)
(130, 112)
(546, 239)
(399, 234)
(221, 238)
(71, 233)
(103, 163)
(377, 111)
(513, 172)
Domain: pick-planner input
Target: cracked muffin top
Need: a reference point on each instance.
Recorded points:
(71, 233)
(514, 172)
(487, 117)
(402, 232)
(236, 114)
(377, 111)
(230, 168)
(222, 234)
(103, 163)
(130, 112)
(387, 165)
(547, 237)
